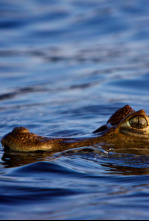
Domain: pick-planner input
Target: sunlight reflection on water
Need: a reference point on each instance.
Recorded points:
(65, 67)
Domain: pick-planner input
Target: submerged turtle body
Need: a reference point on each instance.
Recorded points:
(125, 128)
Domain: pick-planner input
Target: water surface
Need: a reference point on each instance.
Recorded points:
(65, 67)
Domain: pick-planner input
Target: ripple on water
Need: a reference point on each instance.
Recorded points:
(65, 67)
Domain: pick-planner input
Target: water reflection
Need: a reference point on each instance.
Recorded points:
(20, 159)
(113, 163)
(126, 170)
(65, 67)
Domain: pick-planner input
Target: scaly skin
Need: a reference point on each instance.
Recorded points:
(125, 128)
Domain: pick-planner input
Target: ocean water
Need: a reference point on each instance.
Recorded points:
(65, 67)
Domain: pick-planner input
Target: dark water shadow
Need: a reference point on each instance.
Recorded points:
(122, 162)
(128, 163)
(14, 159)
(21, 91)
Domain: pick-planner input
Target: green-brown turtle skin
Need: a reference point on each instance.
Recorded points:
(126, 128)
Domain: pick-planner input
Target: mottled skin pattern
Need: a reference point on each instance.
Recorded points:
(125, 128)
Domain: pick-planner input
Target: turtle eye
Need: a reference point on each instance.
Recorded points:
(138, 122)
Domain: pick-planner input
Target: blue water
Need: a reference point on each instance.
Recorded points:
(65, 67)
